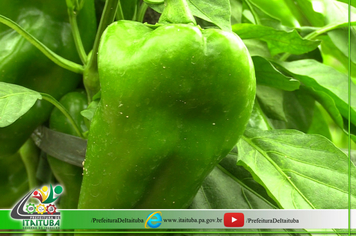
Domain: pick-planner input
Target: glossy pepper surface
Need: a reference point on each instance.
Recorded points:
(175, 99)
(14, 183)
(69, 176)
(23, 64)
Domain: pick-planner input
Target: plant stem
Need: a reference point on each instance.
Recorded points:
(141, 12)
(135, 15)
(62, 62)
(60, 107)
(119, 12)
(76, 35)
(326, 29)
(318, 32)
(255, 16)
(30, 157)
(91, 76)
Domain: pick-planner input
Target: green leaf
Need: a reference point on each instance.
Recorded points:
(340, 39)
(257, 48)
(298, 107)
(332, 56)
(267, 74)
(271, 102)
(286, 109)
(322, 78)
(90, 111)
(352, 155)
(278, 40)
(319, 125)
(232, 188)
(236, 11)
(66, 64)
(337, 12)
(259, 16)
(15, 101)
(315, 54)
(215, 11)
(299, 171)
(159, 7)
(278, 9)
(353, 2)
(258, 119)
(329, 105)
(305, 13)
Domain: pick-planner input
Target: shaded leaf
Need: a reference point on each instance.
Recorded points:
(15, 101)
(299, 171)
(315, 54)
(319, 125)
(258, 119)
(286, 109)
(322, 78)
(278, 40)
(257, 48)
(298, 107)
(222, 190)
(271, 102)
(230, 186)
(267, 74)
(329, 105)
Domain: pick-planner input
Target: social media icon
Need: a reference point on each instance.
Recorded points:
(234, 219)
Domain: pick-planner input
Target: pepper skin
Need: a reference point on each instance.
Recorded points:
(23, 64)
(69, 176)
(175, 99)
(14, 183)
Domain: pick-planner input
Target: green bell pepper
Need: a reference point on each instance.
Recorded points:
(14, 183)
(69, 176)
(21, 63)
(175, 99)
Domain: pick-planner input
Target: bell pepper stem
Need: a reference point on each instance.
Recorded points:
(91, 76)
(60, 107)
(72, 13)
(176, 12)
(62, 62)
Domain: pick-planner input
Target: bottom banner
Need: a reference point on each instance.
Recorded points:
(174, 219)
